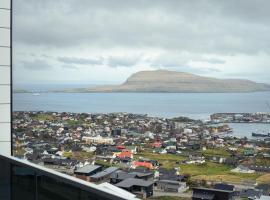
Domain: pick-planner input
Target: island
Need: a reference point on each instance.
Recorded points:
(176, 82)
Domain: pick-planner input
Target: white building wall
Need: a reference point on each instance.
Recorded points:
(5, 79)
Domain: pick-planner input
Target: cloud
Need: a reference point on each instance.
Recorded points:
(122, 61)
(198, 36)
(69, 67)
(80, 61)
(226, 27)
(37, 64)
(212, 60)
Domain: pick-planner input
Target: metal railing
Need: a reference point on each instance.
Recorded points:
(20, 179)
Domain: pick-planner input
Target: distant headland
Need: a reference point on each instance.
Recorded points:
(176, 82)
(164, 81)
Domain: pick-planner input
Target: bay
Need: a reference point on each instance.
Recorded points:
(167, 105)
(194, 105)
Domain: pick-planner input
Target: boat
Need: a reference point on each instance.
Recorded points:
(260, 134)
(36, 94)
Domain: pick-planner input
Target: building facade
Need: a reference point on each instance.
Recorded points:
(5, 77)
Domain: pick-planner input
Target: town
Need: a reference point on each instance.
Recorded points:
(240, 117)
(151, 157)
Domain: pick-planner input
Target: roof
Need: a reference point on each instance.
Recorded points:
(87, 169)
(120, 147)
(142, 174)
(203, 196)
(118, 191)
(264, 198)
(221, 186)
(143, 164)
(127, 183)
(106, 172)
(213, 189)
(125, 154)
(121, 175)
(169, 182)
(250, 193)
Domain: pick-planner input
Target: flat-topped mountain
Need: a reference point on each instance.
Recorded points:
(172, 81)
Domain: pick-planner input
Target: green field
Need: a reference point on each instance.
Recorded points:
(209, 171)
(166, 160)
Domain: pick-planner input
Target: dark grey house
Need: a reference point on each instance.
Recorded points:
(212, 194)
(85, 172)
(103, 175)
(136, 186)
(170, 186)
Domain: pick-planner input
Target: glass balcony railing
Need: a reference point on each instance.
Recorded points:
(23, 180)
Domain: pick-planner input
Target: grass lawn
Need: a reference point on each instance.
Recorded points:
(205, 169)
(219, 172)
(208, 171)
(230, 178)
(167, 160)
(264, 179)
(44, 117)
(217, 152)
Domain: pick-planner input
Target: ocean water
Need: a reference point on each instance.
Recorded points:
(167, 105)
(195, 105)
(246, 129)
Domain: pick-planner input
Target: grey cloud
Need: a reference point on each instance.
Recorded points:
(80, 61)
(69, 67)
(124, 61)
(37, 64)
(212, 60)
(220, 27)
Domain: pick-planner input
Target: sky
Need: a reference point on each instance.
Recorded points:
(105, 41)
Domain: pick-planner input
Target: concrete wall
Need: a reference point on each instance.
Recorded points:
(5, 79)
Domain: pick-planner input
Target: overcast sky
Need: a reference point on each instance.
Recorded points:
(98, 41)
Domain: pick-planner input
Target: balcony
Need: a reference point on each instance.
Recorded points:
(21, 179)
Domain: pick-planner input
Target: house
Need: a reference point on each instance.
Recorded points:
(156, 145)
(146, 175)
(265, 188)
(212, 194)
(85, 172)
(222, 186)
(263, 197)
(103, 175)
(136, 186)
(195, 159)
(260, 168)
(250, 193)
(242, 169)
(171, 186)
(125, 154)
(218, 159)
(249, 152)
(97, 140)
(170, 174)
(147, 165)
(133, 149)
(119, 176)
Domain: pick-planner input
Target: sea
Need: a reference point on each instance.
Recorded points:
(164, 105)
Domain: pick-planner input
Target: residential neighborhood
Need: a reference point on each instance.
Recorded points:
(150, 157)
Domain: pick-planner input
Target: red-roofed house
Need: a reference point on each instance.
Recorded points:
(142, 164)
(125, 154)
(156, 144)
(121, 147)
